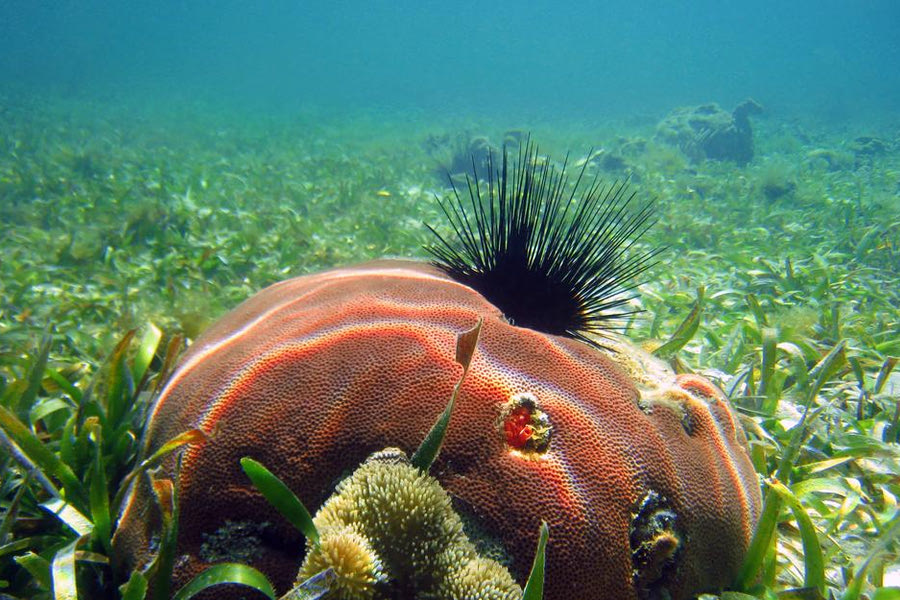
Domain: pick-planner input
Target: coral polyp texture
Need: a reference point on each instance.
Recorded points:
(643, 476)
(401, 522)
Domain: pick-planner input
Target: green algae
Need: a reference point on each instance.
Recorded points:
(114, 219)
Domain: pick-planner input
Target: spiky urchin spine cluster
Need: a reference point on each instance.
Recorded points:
(553, 256)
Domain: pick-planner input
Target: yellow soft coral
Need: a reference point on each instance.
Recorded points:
(390, 526)
(480, 579)
(356, 567)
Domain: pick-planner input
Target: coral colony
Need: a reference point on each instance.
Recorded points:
(643, 476)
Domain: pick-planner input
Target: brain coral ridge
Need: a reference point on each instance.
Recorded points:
(314, 374)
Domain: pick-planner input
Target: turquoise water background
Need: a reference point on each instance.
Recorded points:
(171, 158)
(162, 161)
(836, 58)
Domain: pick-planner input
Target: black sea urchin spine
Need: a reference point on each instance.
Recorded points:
(551, 257)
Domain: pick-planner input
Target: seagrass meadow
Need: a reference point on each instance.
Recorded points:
(126, 230)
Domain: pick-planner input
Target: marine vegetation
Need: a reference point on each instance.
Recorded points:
(314, 374)
(708, 132)
(787, 305)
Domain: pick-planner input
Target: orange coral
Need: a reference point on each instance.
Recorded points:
(647, 487)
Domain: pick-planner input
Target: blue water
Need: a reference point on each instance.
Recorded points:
(838, 58)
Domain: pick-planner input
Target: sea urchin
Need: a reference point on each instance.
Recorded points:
(314, 374)
(553, 256)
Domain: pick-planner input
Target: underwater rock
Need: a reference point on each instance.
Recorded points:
(775, 179)
(458, 155)
(389, 531)
(632, 146)
(513, 138)
(605, 161)
(832, 160)
(773, 189)
(708, 132)
(643, 476)
(868, 146)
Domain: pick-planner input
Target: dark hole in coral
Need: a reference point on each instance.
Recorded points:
(655, 547)
(235, 541)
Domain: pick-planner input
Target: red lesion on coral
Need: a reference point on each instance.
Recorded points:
(518, 427)
(525, 426)
(356, 346)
